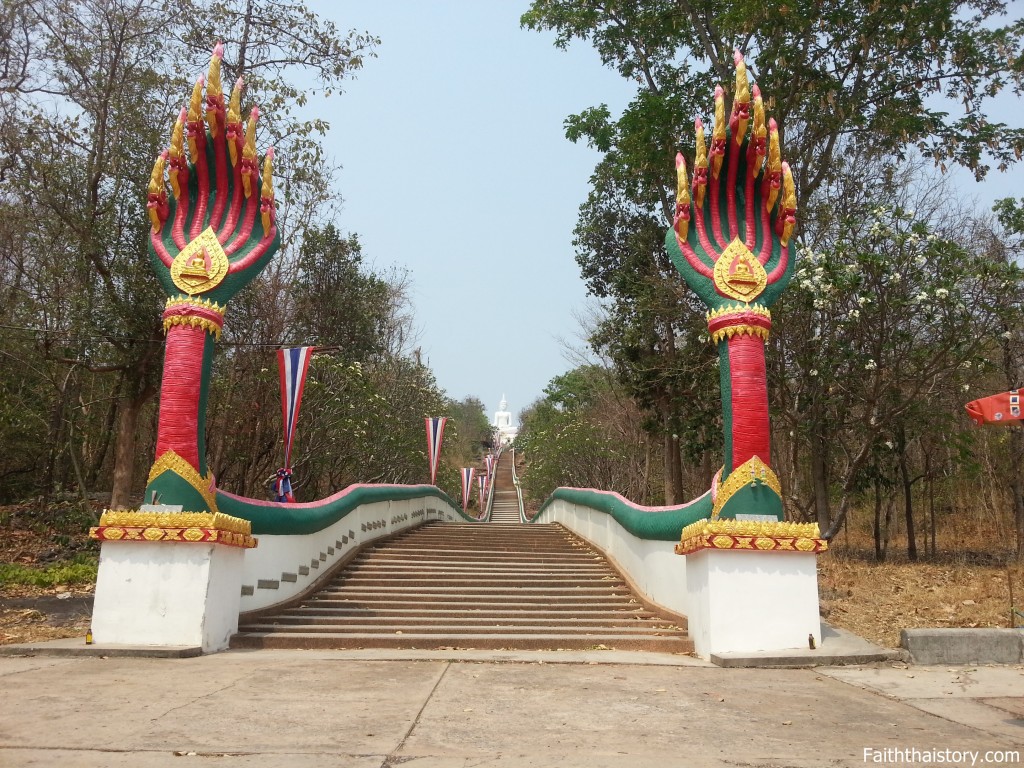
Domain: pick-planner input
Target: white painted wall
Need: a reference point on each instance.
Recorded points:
(167, 594)
(653, 566)
(743, 601)
(277, 556)
(190, 594)
(734, 600)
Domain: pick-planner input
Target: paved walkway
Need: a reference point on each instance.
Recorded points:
(437, 709)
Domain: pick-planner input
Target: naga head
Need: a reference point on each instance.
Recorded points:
(733, 222)
(216, 230)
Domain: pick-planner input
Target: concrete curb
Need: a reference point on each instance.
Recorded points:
(964, 646)
(838, 648)
(75, 646)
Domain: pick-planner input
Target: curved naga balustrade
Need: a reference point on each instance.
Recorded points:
(210, 238)
(730, 241)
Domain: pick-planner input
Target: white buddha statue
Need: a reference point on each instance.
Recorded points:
(503, 423)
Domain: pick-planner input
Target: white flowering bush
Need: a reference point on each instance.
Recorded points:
(884, 322)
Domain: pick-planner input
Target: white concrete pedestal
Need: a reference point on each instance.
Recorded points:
(746, 600)
(167, 594)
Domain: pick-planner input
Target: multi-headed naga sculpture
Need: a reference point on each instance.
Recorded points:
(211, 238)
(730, 241)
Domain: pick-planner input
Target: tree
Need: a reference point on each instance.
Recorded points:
(586, 432)
(847, 82)
(335, 301)
(897, 311)
(80, 83)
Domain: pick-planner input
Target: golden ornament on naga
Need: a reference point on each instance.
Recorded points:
(201, 266)
(738, 274)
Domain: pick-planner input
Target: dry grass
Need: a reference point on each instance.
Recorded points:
(877, 600)
(33, 614)
(964, 585)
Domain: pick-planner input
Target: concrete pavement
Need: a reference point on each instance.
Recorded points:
(438, 709)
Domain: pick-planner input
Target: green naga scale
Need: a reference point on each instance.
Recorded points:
(209, 240)
(730, 241)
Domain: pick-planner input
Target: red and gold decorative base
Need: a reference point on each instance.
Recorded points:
(189, 527)
(751, 536)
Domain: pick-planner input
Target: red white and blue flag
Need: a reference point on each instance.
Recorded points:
(435, 434)
(293, 364)
(489, 459)
(467, 485)
(481, 486)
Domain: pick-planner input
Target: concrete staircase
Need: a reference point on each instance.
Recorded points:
(486, 586)
(505, 508)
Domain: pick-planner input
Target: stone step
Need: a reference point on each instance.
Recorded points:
(483, 553)
(566, 581)
(494, 585)
(470, 591)
(456, 630)
(428, 568)
(496, 611)
(481, 602)
(677, 644)
(461, 625)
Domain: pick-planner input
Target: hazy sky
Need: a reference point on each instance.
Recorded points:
(456, 168)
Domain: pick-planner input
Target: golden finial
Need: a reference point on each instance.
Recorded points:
(176, 153)
(234, 121)
(156, 204)
(249, 152)
(788, 204)
(215, 93)
(741, 100)
(700, 167)
(267, 193)
(757, 136)
(156, 178)
(718, 133)
(682, 217)
(195, 118)
(774, 167)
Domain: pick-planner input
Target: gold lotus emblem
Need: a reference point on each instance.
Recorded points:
(738, 274)
(201, 266)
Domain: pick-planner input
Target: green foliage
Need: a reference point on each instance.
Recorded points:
(81, 569)
(88, 92)
(336, 301)
(467, 434)
(583, 433)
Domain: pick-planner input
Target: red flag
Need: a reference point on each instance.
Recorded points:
(996, 409)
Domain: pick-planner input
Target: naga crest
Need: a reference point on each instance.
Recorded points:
(733, 222)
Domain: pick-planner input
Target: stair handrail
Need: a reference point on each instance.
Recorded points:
(489, 504)
(519, 489)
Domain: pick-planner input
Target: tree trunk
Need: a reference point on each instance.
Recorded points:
(819, 479)
(1011, 369)
(125, 449)
(669, 447)
(109, 423)
(908, 496)
(877, 527)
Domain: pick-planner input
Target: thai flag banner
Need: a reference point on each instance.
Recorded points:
(481, 487)
(293, 364)
(467, 485)
(435, 434)
(489, 459)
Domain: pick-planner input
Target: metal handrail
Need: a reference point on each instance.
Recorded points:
(519, 489)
